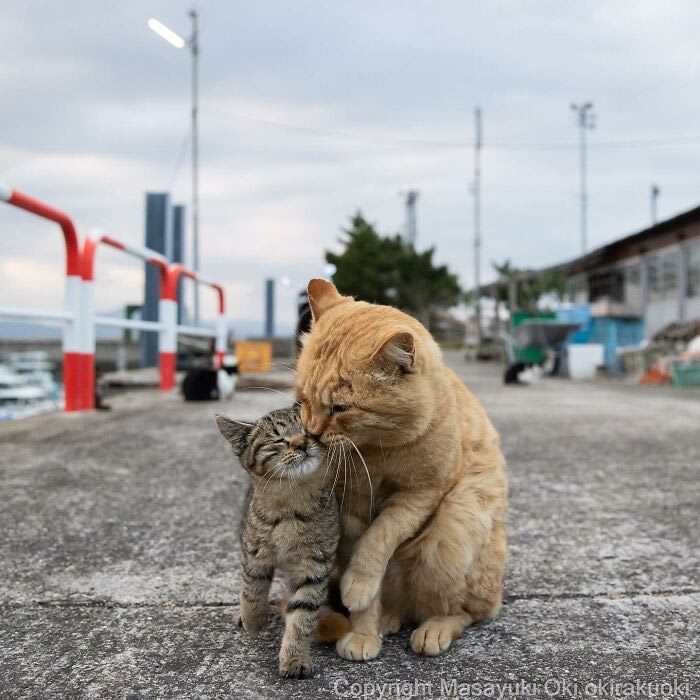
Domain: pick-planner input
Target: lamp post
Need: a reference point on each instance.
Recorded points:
(192, 43)
(585, 120)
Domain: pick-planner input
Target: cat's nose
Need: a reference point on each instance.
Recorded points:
(296, 441)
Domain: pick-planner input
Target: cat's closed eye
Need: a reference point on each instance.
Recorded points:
(339, 408)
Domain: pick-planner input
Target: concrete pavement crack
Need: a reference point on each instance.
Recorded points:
(172, 604)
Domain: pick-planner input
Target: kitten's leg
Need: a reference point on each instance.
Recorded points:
(301, 620)
(256, 578)
(364, 641)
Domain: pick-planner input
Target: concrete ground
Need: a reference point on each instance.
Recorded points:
(119, 556)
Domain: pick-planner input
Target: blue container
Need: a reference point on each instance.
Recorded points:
(613, 333)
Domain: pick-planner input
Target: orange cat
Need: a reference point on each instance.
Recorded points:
(424, 542)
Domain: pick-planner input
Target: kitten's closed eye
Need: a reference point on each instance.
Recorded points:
(339, 408)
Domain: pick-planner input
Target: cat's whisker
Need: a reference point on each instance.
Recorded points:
(281, 364)
(357, 478)
(329, 459)
(269, 388)
(369, 479)
(345, 480)
(335, 481)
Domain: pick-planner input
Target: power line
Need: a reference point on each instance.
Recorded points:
(358, 136)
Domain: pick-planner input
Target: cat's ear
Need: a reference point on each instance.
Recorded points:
(322, 295)
(398, 349)
(236, 432)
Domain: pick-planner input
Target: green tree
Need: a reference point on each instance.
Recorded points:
(387, 270)
(531, 286)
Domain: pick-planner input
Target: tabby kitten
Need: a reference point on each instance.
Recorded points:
(290, 521)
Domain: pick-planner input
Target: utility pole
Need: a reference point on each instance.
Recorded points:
(655, 192)
(411, 198)
(585, 120)
(476, 190)
(194, 47)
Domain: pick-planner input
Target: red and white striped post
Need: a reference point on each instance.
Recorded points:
(88, 310)
(77, 374)
(168, 316)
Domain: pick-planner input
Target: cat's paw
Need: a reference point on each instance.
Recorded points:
(296, 667)
(358, 589)
(253, 621)
(390, 623)
(432, 638)
(358, 647)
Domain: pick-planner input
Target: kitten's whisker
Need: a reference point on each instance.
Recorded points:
(369, 479)
(241, 422)
(276, 470)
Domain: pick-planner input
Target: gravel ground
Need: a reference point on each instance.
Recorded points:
(119, 555)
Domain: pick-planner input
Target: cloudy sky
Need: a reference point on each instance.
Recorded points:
(313, 109)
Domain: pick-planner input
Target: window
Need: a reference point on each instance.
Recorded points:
(576, 290)
(694, 270)
(654, 274)
(632, 294)
(663, 275)
(669, 263)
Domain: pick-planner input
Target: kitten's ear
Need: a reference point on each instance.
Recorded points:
(236, 432)
(322, 295)
(398, 349)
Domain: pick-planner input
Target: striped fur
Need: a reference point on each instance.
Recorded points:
(290, 522)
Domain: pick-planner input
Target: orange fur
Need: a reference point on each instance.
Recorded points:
(433, 548)
(331, 625)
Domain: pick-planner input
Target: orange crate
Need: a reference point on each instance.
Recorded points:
(253, 356)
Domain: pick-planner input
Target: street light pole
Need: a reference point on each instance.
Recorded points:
(585, 121)
(655, 191)
(477, 223)
(192, 44)
(194, 48)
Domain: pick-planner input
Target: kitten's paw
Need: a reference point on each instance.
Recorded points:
(432, 638)
(296, 667)
(358, 589)
(358, 647)
(253, 623)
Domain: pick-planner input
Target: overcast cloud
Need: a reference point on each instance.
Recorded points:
(95, 111)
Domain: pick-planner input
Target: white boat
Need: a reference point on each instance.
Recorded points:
(27, 392)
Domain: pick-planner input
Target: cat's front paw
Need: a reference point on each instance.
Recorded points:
(296, 666)
(355, 646)
(358, 589)
(253, 621)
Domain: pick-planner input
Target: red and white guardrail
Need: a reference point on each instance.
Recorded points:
(74, 365)
(79, 317)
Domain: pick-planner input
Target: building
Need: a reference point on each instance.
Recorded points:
(653, 274)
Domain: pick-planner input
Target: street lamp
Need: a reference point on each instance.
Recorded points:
(192, 43)
(585, 120)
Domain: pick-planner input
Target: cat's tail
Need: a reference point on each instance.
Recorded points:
(331, 625)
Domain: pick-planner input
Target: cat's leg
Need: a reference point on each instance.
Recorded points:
(402, 515)
(303, 608)
(364, 641)
(256, 578)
